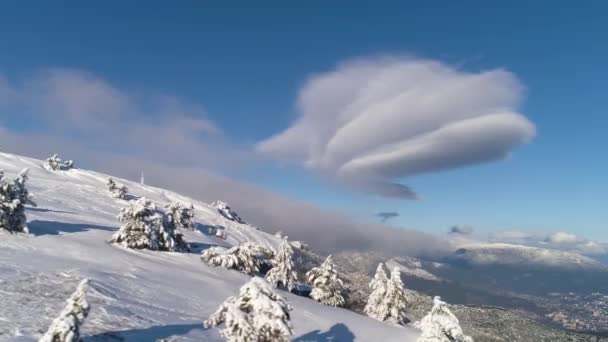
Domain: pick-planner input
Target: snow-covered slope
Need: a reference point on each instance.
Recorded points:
(134, 295)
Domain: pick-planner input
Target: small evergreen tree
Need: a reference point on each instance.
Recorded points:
(54, 163)
(257, 315)
(140, 226)
(249, 257)
(182, 215)
(13, 198)
(440, 325)
(327, 288)
(117, 190)
(376, 302)
(224, 209)
(283, 273)
(170, 237)
(66, 327)
(395, 300)
(145, 228)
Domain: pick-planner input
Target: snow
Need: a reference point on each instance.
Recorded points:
(134, 295)
(508, 254)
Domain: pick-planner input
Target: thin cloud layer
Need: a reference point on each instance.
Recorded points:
(559, 240)
(369, 123)
(122, 133)
(464, 230)
(91, 111)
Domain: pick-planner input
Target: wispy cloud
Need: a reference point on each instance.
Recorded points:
(387, 215)
(370, 122)
(464, 230)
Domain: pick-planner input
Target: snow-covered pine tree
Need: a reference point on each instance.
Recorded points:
(376, 305)
(117, 190)
(440, 325)
(258, 314)
(66, 327)
(249, 257)
(327, 288)
(13, 198)
(283, 273)
(170, 238)
(140, 226)
(54, 163)
(224, 209)
(395, 303)
(182, 215)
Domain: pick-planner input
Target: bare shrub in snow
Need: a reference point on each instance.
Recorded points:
(224, 209)
(440, 325)
(117, 190)
(66, 327)
(249, 257)
(13, 198)
(54, 163)
(283, 273)
(257, 315)
(327, 288)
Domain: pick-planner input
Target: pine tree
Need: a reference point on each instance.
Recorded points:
(256, 315)
(182, 215)
(66, 327)
(249, 257)
(140, 226)
(440, 325)
(117, 190)
(376, 302)
(395, 299)
(13, 198)
(327, 288)
(54, 163)
(283, 273)
(170, 238)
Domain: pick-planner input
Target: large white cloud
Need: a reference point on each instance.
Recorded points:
(370, 122)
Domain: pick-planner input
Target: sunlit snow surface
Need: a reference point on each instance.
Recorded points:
(134, 295)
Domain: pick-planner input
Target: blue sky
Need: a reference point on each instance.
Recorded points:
(246, 63)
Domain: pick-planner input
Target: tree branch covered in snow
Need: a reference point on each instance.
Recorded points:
(249, 257)
(66, 327)
(440, 325)
(54, 163)
(224, 209)
(183, 216)
(256, 315)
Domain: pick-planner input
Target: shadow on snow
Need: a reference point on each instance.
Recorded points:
(45, 210)
(41, 227)
(337, 333)
(147, 334)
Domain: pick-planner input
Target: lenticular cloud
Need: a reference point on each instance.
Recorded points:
(371, 122)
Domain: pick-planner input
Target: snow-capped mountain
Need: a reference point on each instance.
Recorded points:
(135, 295)
(517, 255)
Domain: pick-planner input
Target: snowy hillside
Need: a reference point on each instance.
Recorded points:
(134, 295)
